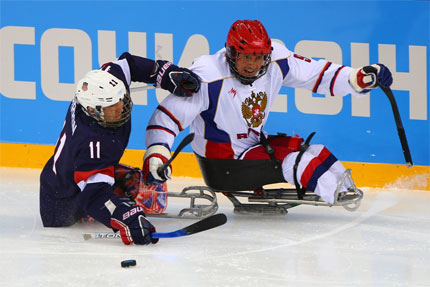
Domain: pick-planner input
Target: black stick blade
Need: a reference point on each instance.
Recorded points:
(207, 223)
(400, 129)
(202, 225)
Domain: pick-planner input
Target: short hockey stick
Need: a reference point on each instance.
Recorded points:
(142, 88)
(400, 129)
(187, 86)
(202, 225)
(189, 138)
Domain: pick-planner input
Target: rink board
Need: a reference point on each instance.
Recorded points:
(185, 165)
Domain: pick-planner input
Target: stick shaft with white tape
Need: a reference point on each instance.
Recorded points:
(142, 88)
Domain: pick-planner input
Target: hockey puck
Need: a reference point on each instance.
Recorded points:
(128, 263)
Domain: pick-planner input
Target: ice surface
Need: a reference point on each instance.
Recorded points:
(385, 243)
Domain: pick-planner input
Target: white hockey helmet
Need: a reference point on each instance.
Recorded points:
(100, 89)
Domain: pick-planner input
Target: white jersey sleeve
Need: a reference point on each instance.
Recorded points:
(173, 115)
(318, 76)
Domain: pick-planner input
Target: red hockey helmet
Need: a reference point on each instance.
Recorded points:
(248, 37)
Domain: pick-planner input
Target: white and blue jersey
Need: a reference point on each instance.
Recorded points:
(227, 116)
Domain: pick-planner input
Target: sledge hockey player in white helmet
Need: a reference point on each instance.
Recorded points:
(83, 177)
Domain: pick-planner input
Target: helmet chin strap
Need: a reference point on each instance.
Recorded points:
(247, 80)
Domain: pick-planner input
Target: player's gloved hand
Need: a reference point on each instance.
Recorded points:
(131, 222)
(366, 78)
(179, 81)
(154, 158)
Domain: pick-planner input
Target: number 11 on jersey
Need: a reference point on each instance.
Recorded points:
(97, 147)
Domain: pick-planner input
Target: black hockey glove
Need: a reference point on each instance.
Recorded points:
(366, 78)
(131, 222)
(179, 81)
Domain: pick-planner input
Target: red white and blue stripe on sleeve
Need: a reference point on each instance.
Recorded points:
(318, 76)
(106, 175)
(332, 81)
(167, 122)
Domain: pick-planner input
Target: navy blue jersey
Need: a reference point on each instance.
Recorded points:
(77, 180)
(85, 154)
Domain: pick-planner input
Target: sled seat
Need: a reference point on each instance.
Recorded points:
(232, 177)
(239, 175)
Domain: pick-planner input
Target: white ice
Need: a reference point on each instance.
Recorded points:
(386, 242)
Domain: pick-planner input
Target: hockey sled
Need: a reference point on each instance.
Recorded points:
(242, 181)
(202, 203)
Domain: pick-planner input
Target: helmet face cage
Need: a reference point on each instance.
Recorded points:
(248, 37)
(127, 106)
(232, 55)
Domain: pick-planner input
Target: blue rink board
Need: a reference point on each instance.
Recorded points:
(373, 138)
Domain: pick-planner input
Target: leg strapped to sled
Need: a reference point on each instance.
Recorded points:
(246, 178)
(350, 199)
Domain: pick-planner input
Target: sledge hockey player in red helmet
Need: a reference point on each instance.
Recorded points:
(239, 85)
(248, 50)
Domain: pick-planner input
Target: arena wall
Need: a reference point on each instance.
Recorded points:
(50, 45)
